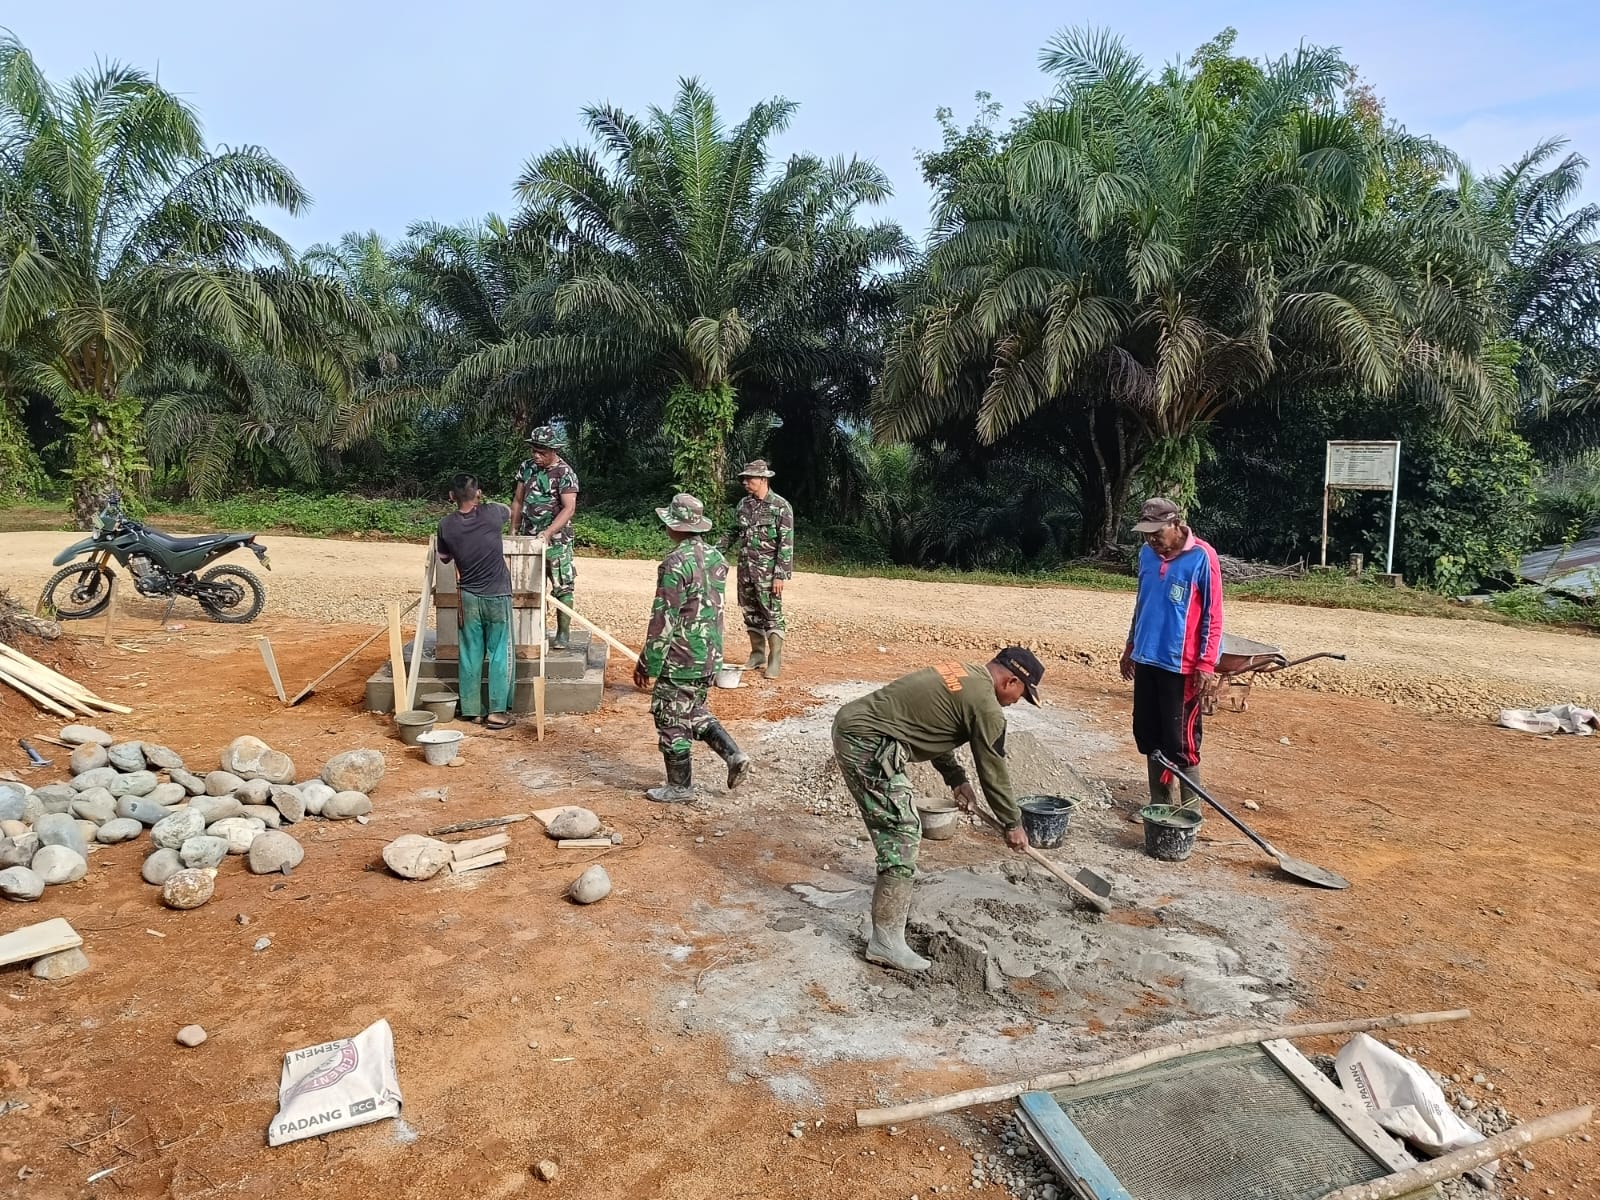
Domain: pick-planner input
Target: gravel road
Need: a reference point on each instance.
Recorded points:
(1464, 666)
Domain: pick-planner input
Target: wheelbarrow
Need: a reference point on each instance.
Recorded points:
(1241, 661)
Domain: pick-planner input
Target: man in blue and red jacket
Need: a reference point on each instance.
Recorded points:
(1173, 644)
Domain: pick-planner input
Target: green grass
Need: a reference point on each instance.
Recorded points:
(642, 537)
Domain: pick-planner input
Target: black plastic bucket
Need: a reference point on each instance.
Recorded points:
(1045, 820)
(1169, 832)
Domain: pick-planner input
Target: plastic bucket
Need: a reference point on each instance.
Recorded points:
(1045, 820)
(938, 823)
(441, 704)
(1169, 832)
(413, 723)
(440, 746)
(729, 677)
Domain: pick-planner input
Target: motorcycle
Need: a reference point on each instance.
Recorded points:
(161, 565)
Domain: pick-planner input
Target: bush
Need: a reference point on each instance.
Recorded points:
(326, 516)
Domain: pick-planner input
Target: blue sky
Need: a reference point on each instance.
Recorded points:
(398, 111)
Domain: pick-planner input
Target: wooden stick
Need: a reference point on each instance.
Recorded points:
(20, 678)
(425, 599)
(397, 658)
(1459, 1162)
(111, 610)
(477, 847)
(594, 629)
(584, 843)
(1083, 893)
(866, 1118)
(469, 826)
(264, 643)
(365, 642)
(68, 689)
(492, 859)
(38, 698)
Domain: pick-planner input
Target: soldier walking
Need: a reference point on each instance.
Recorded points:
(543, 507)
(764, 533)
(683, 650)
(924, 717)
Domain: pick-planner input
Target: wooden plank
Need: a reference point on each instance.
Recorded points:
(469, 826)
(35, 941)
(111, 611)
(545, 815)
(585, 843)
(421, 627)
(494, 859)
(1068, 1150)
(38, 698)
(365, 642)
(519, 600)
(397, 657)
(594, 629)
(265, 645)
(461, 851)
(538, 680)
(1349, 1116)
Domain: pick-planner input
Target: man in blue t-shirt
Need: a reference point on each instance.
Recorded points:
(1173, 644)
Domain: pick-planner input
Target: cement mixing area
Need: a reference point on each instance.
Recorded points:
(280, 945)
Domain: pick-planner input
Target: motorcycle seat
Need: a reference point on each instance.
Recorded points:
(179, 544)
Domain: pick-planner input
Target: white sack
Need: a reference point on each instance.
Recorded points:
(337, 1085)
(1401, 1096)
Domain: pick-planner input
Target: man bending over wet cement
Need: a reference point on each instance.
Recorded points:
(925, 717)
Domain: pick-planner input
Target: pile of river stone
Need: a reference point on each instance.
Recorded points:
(119, 790)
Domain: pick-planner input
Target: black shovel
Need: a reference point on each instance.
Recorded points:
(1301, 870)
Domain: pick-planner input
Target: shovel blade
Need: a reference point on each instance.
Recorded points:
(1098, 884)
(1311, 873)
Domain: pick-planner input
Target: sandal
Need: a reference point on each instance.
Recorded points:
(506, 723)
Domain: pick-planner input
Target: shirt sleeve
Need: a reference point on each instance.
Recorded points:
(669, 597)
(1208, 587)
(442, 548)
(501, 512)
(785, 568)
(568, 485)
(950, 769)
(988, 747)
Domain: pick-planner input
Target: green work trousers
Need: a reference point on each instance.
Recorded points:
(485, 632)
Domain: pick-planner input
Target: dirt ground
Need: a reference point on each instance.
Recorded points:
(666, 1042)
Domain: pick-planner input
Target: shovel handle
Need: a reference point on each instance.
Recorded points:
(1083, 893)
(1163, 761)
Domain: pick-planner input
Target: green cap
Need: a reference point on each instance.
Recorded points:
(685, 514)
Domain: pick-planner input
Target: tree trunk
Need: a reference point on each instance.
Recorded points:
(105, 452)
(1107, 462)
(697, 423)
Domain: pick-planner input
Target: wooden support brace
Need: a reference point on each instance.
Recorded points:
(594, 629)
(585, 843)
(469, 826)
(365, 642)
(423, 600)
(477, 847)
(265, 645)
(111, 610)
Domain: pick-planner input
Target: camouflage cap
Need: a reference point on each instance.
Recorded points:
(547, 437)
(685, 514)
(757, 469)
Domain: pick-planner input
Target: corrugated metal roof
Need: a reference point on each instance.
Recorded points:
(1573, 570)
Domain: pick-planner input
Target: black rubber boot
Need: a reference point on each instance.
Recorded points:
(563, 638)
(679, 788)
(721, 741)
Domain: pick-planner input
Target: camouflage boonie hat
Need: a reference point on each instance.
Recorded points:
(547, 437)
(685, 514)
(757, 470)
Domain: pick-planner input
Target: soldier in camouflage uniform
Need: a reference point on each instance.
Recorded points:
(925, 717)
(543, 507)
(683, 650)
(764, 532)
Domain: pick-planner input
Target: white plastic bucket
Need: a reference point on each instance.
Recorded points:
(440, 746)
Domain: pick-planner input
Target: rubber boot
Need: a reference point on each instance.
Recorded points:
(1191, 798)
(563, 638)
(679, 788)
(891, 905)
(774, 655)
(720, 740)
(1161, 793)
(758, 650)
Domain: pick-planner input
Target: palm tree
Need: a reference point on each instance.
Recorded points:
(681, 263)
(1144, 253)
(128, 246)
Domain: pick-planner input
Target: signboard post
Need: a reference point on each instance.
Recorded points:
(1362, 467)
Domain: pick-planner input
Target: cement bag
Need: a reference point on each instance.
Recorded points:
(337, 1085)
(1401, 1096)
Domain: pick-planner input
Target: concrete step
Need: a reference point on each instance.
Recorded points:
(572, 694)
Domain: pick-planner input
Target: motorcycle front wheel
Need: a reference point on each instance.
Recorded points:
(232, 595)
(76, 592)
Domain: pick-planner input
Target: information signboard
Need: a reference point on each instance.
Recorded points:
(1363, 467)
